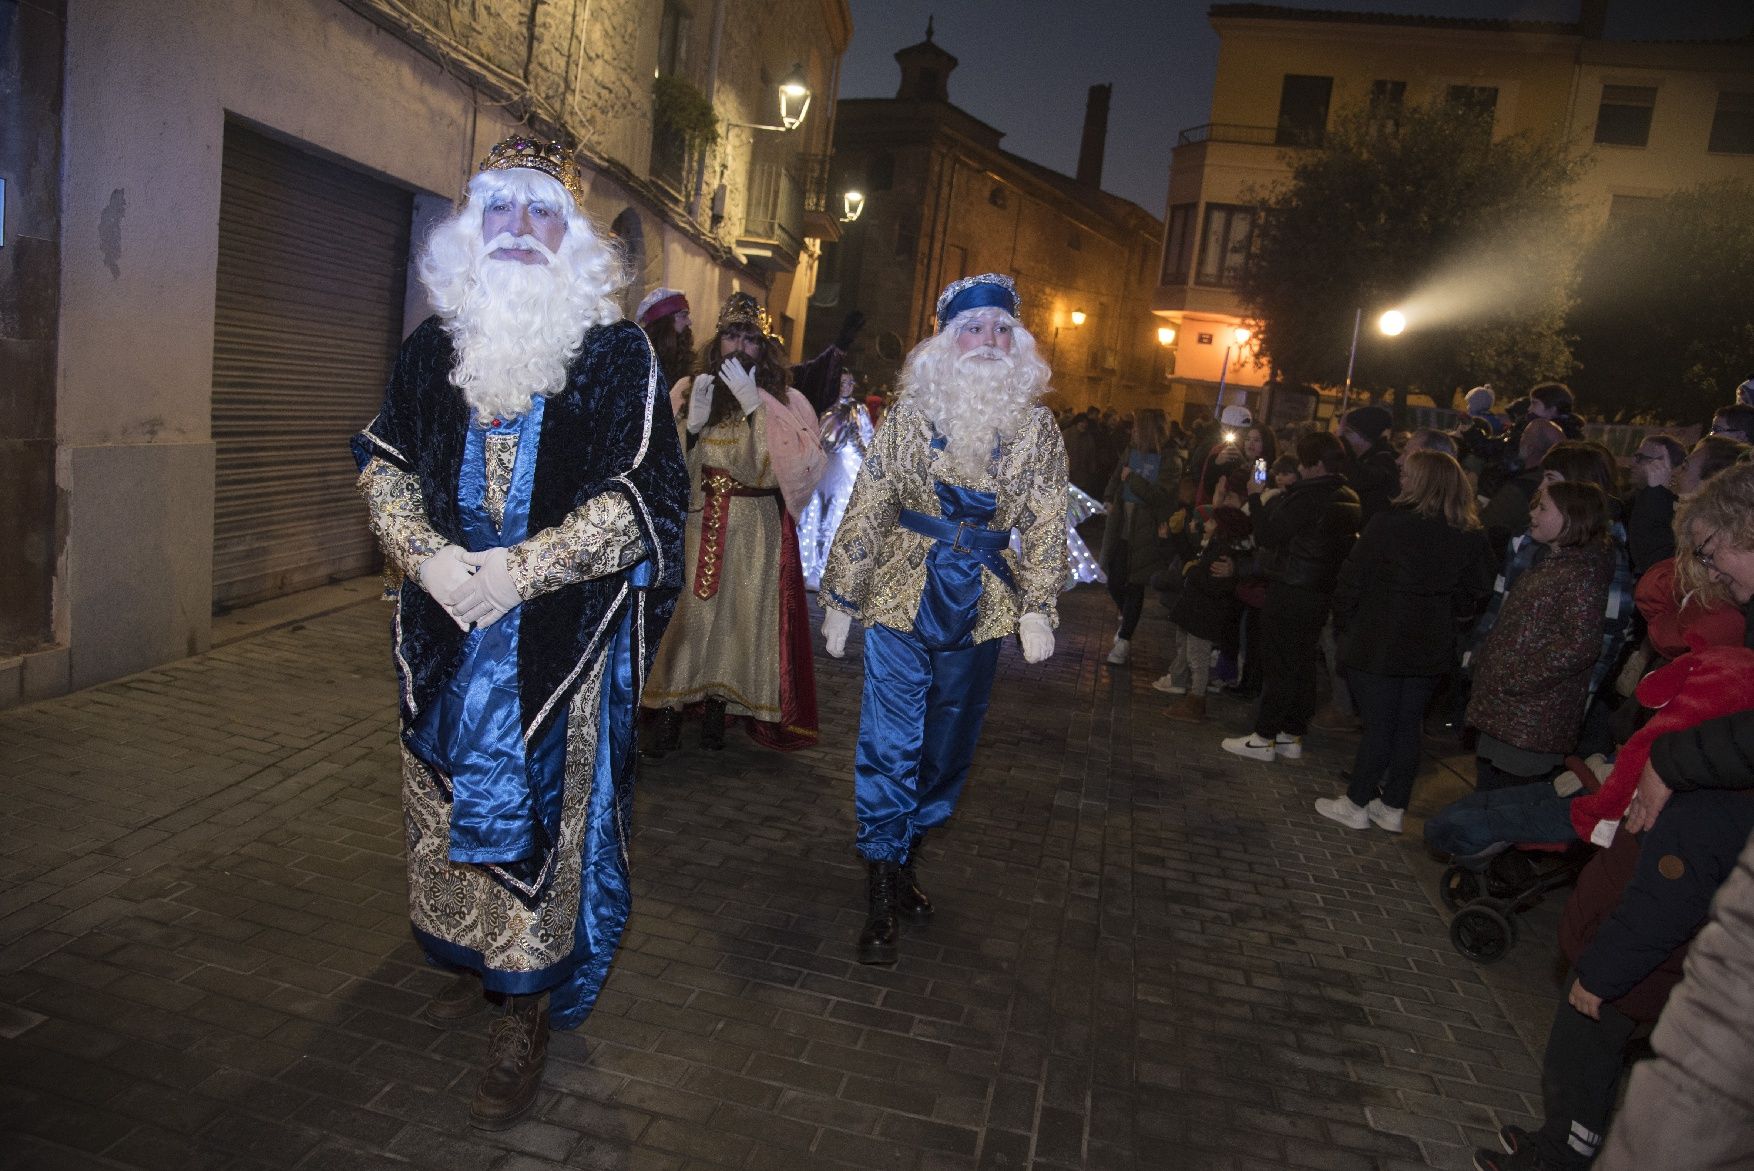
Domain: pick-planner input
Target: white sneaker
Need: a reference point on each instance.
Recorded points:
(1118, 656)
(1383, 816)
(1251, 746)
(1342, 810)
(1289, 747)
(1168, 685)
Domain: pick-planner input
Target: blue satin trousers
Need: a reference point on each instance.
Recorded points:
(919, 720)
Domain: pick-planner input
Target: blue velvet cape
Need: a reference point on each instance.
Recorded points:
(598, 435)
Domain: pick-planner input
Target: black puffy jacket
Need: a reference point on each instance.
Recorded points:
(1407, 584)
(1305, 532)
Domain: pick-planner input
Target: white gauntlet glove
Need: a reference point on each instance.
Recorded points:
(1036, 634)
(835, 625)
(700, 403)
(491, 593)
(740, 380)
(446, 576)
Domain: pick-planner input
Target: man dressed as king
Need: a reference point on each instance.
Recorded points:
(923, 559)
(524, 476)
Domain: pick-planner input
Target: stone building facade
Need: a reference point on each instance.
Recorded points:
(188, 330)
(943, 199)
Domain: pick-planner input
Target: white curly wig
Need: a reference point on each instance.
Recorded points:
(517, 327)
(975, 399)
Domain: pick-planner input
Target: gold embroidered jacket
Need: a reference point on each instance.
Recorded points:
(876, 570)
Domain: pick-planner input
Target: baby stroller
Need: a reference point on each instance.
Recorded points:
(1486, 903)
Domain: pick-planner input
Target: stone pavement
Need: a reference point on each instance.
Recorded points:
(1148, 954)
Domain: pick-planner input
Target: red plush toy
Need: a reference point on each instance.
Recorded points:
(1709, 682)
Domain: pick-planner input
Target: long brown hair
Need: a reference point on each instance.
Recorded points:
(1434, 485)
(1149, 431)
(771, 374)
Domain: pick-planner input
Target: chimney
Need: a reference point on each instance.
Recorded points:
(1095, 139)
(1592, 19)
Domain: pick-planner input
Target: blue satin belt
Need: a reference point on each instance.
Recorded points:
(963, 536)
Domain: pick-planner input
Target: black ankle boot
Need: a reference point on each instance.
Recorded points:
(663, 735)
(877, 940)
(712, 726)
(911, 899)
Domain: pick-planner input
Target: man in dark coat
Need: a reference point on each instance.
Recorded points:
(1370, 462)
(527, 486)
(1303, 536)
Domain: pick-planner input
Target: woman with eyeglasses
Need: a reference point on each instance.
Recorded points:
(1650, 513)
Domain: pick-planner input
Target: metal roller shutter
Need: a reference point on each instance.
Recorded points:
(307, 317)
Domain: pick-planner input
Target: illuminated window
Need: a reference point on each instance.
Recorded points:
(1732, 126)
(1224, 244)
(1624, 116)
(1303, 110)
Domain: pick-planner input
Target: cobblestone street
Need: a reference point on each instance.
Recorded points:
(1148, 954)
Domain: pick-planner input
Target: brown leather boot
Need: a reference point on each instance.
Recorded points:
(459, 1000)
(877, 942)
(911, 900)
(517, 1049)
(1189, 709)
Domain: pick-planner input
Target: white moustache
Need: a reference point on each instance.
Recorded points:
(525, 243)
(986, 354)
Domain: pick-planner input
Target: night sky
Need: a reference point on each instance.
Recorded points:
(1027, 64)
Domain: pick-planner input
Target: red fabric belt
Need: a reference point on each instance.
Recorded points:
(717, 486)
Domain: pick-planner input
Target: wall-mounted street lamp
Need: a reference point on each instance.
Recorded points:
(1166, 335)
(794, 94)
(852, 206)
(1078, 317)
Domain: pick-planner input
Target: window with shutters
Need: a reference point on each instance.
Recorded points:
(1732, 125)
(1623, 118)
(1303, 110)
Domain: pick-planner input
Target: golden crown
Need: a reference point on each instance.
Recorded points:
(551, 158)
(742, 309)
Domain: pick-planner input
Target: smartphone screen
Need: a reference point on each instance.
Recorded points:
(1260, 471)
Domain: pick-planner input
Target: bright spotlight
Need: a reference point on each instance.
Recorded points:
(1392, 322)
(1165, 335)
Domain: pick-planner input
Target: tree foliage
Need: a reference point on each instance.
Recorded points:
(1665, 316)
(1471, 237)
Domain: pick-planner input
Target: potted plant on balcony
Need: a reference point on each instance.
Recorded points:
(683, 125)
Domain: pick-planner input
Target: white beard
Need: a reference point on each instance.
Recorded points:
(517, 329)
(984, 406)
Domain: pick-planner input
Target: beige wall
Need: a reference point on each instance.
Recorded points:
(1548, 83)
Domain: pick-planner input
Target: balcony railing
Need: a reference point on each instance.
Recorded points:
(775, 212)
(814, 170)
(1229, 132)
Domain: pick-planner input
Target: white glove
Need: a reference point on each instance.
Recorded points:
(700, 403)
(446, 576)
(740, 381)
(835, 625)
(491, 593)
(1036, 634)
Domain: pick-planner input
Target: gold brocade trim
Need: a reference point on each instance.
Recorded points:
(707, 691)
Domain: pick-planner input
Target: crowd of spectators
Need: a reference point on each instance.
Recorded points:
(1515, 578)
